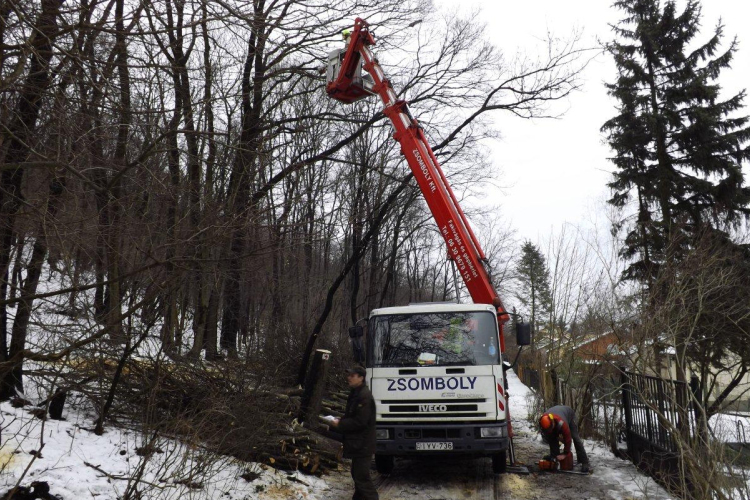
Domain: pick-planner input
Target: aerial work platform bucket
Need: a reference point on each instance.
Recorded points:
(360, 87)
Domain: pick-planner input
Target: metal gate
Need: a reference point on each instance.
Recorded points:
(655, 410)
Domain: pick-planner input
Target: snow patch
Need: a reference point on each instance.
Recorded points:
(79, 464)
(730, 428)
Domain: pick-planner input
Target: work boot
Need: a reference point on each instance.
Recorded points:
(585, 468)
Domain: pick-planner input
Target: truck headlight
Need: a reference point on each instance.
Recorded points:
(492, 432)
(382, 434)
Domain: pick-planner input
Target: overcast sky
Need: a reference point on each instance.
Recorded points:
(556, 171)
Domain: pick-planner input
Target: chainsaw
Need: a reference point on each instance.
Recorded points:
(549, 463)
(552, 463)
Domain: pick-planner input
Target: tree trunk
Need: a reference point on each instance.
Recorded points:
(169, 324)
(243, 173)
(212, 319)
(127, 351)
(13, 380)
(112, 231)
(20, 132)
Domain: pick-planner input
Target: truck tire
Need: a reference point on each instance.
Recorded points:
(384, 464)
(499, 462)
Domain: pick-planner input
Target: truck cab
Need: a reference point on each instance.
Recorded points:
(436, 373)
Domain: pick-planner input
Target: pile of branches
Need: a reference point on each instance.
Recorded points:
(224, 409)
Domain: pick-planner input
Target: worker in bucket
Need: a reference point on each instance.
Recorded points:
(358, 428)
(559, 424)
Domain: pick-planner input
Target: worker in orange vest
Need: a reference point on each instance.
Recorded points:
(559, 424)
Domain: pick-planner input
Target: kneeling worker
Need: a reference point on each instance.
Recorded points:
(559, 424)
(358, 428)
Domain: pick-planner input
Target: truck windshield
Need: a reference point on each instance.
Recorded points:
(439, 339)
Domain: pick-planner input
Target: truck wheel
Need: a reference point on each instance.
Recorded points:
(499, 463)
(384, 463)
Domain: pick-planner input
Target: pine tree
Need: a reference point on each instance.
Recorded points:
(534, 286)
(678, 146)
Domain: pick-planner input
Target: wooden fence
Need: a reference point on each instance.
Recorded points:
(555, 390)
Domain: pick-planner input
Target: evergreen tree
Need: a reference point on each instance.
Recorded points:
(534, 286)
(678, 145)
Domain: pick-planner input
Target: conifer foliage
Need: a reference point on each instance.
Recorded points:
(678, 143)
(534, 285)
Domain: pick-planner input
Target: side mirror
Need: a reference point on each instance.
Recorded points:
(355, 335)
(356, 331)
(523, 333)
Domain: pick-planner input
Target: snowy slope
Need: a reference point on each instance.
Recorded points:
(78, 464)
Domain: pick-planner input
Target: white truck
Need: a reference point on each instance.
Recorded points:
(436, 373)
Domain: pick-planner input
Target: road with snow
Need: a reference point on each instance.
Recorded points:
(456, 478)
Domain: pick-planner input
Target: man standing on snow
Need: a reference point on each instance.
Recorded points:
(559, 424)
(358, 427)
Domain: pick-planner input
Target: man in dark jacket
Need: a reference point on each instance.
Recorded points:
(358, 428)
(559, 424)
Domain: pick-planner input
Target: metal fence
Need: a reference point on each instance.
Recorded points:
(657, 412)
(738, 438)
(650, 414)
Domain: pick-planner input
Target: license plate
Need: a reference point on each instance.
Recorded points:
(434, 446)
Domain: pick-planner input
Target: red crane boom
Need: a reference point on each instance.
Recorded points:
(346, 84)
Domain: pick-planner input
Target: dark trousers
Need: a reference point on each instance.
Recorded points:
(554, 445)
(363, 487)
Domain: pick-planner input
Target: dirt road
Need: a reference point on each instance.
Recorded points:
(455, 478)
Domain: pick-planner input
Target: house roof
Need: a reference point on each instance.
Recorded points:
(592, 339)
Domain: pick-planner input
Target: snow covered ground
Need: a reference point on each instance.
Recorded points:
(731, 428)
(78, 464)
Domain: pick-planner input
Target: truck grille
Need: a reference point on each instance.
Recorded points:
(432, 408)
(415, 408)
(432, 415)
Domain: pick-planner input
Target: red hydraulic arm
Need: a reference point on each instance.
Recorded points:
(463, 246)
